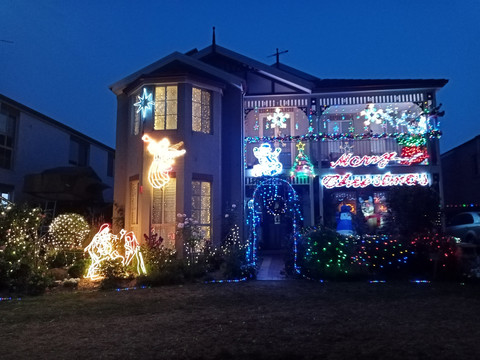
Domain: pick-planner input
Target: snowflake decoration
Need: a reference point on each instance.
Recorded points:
(144, 103)
(418, 126)
(278, 119)
(372, 115)
(346, 148)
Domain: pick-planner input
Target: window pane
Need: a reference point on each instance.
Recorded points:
(196, 188)
(159, 122)
(172, 107)
(171, 122)
(196, 123)
(206, 98)
(133, 202)
(171, 93)
(197, 109)
(196, 95)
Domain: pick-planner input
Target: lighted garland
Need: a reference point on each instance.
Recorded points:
(253, 220)
(436, 248)
(403, 138)
(380, 252)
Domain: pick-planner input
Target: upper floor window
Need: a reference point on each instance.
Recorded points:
(134, 116)
(166, 100)
(201, 110)
(78, 152)
(7, 136)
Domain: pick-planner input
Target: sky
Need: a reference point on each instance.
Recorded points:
(59, 57)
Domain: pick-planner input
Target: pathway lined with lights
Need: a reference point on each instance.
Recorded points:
(272, 267)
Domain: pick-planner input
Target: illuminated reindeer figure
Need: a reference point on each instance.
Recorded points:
(102, 248)
(163, 159)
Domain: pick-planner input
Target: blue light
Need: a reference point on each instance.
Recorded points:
(144, 103)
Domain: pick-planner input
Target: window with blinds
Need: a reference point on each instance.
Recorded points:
(163, 204)
(202, 205)
(166, 101)
(134, 202)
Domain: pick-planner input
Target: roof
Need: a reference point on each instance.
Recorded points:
(202, 60)
(456, 148)
(53, 122)
(314, 83)
(120, 85)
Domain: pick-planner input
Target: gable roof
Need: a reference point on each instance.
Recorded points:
(315, 84)
(264, 69)
(120, 85)
(53, 122)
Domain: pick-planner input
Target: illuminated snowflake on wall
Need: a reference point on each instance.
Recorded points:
(144, 103)
(372, 115)
(278, 119)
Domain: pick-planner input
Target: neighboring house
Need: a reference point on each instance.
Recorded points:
(461, 177)
(47, 163)
(337, 140)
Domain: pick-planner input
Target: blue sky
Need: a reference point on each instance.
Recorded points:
(66, 53)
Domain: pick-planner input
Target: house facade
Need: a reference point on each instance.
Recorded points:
(461, 177)
(47, 163)
(288, 149)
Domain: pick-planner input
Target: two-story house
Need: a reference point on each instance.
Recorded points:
(286, 147)
(47, 163)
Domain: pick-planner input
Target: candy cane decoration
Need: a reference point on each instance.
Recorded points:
(163, 159)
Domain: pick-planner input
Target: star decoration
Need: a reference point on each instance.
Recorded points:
(300, 146)
(144, 103)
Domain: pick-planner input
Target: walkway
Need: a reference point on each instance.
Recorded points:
(272, 266)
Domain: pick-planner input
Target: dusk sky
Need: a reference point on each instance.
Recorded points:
(59, 57)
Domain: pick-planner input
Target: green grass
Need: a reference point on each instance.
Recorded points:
(254, 320)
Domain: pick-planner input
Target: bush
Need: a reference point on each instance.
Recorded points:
(78, 269)
(68, 231)
(324, 254)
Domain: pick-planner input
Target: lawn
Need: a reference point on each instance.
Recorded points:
(253, 320)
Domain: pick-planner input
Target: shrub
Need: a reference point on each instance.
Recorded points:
(78, 269)
(324, 254)
(68, 231)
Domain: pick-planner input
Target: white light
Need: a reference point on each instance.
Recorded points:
(102, 248)
(278, 119)
(144, 102)
(163, 160)
(268, 164)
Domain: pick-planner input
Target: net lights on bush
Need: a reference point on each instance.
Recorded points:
(104, 247)
(68, 231)
(144, 103)
(381, 252)
(163, 159)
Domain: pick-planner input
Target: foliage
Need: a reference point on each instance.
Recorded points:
(163, 267)
(68, 231)
(413, 209)
(233, 255)
(113, 272)
(193, 238)
(78, 268)
(22, 252)
(325, 254)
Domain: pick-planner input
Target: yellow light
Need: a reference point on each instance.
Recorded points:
(163, 159)
(102, 248)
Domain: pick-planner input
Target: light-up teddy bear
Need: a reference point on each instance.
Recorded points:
(163, 158)
(268, 164)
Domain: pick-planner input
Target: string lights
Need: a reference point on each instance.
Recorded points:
(144, 103)
(163, 160)
(103, 247)
(268, 164)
